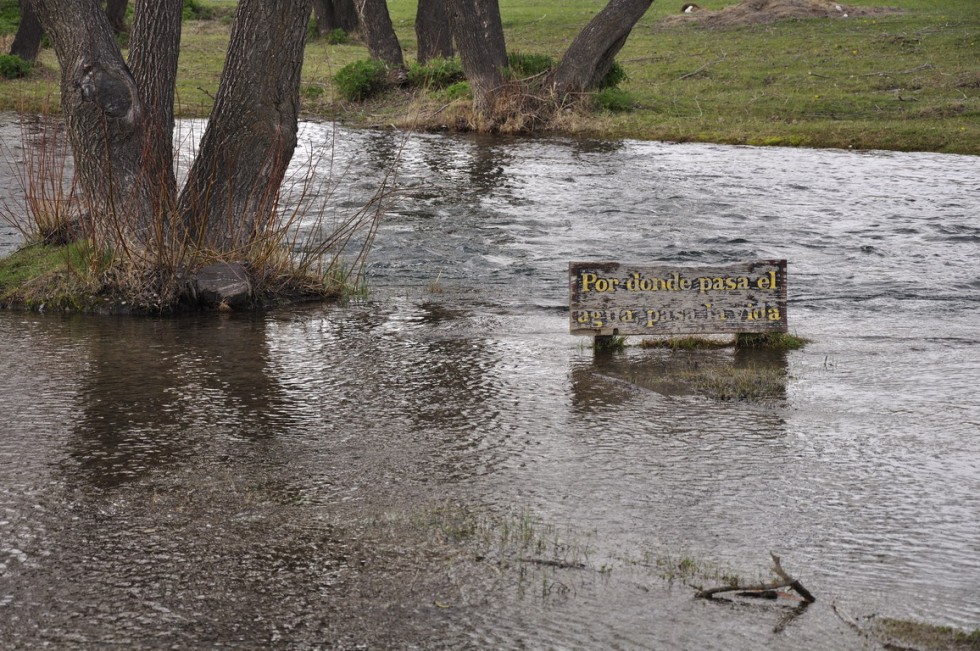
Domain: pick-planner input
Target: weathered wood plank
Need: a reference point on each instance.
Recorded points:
(612, 298)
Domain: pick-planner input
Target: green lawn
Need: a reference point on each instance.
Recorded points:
(907, 80)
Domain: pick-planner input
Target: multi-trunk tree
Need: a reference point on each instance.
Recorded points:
(119, 118)
(119, 114)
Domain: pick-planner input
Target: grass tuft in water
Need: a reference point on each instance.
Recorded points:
(925, 637)
(770, 341)
(739, 383)
(608, 344)
(692, 342)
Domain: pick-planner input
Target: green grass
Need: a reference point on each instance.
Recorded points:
(689, 342)
(608, 344)
(903, 81)
(767, 341)
(58, 277)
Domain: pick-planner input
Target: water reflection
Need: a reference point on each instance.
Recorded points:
(154, 391)
(219, 448)
(728, 375)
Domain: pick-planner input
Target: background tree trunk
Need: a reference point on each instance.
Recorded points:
(335, 14)
(27, 41)
(323, 12)
(478, 31)
(232, 188)
(432, 31)
(345, 13)
(115, 11)
(591, 54)
(379, 34)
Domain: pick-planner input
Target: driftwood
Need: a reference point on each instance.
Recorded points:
(764, 590)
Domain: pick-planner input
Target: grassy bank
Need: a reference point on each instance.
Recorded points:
(907, 79)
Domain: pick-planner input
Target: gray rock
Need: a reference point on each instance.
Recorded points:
(223, 283)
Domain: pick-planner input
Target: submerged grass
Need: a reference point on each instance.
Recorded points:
(692, 342)
(519, 537)
(923, 636)
(770, 341)
(902, 80)
(764, 341)
(736, 383)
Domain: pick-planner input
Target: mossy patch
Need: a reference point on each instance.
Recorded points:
(57, 277)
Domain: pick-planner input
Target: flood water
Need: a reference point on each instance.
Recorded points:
(350, 476)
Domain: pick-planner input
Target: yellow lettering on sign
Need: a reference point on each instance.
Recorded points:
(587, 279)
(767, 282)
(722, 283)
(592, 282)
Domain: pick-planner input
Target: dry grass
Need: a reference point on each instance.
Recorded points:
(763, 12)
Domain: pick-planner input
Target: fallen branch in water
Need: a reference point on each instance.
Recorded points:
(785, 581)
(563, 565)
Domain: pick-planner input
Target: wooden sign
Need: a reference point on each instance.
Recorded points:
(612, 298)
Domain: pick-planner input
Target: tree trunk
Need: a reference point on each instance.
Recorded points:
(232, 189)
(591, 54)
(432, 30)
(103, 113)
(335, 14)
(27, 41)
(153, 62)
(323, 12)
(379, 34)
(478, 31)
(345, 13)
(115, 10)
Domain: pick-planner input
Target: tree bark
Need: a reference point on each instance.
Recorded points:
(232, 189)
(432, 31)
(379, 33)
(591, 54)
(479, 33)
(153, 54)
(103, 113)
(27, 41)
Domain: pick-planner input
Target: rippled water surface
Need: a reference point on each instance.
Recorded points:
(302, 478)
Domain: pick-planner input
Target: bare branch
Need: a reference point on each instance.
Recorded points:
(707, 65)
(785, 581)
